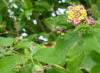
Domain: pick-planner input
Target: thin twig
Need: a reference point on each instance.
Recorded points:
(8, 32)
(14, 20)
(80, 35)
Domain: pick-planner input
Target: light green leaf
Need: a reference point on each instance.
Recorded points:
(28, 12)
(27, 54)
(7, 64)
(6, 41)
(24, 45)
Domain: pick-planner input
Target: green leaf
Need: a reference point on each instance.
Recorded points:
(75, 57)
(95, 56)
(56, 55)
(60, 20)
(24, 45)
(27, 69)
(87, 63)
(27, 54)
(41, 6)
(51, 1)
(95, 11)
(92, 42)
(28, 12)
(6, 41)
(7, 64)
(95, 69)
(97, 23)
(1, 19)
(2, 28)
(81, 48)
(26, 5)
(98, 2)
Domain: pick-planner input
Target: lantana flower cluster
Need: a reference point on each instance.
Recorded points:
(78, 15)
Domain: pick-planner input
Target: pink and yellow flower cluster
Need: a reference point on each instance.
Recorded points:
(78, 15)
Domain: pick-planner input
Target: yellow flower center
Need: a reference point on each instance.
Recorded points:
(84, 14)
(77, 8)
(71, 13)
(70, 17)
(83, 11)
(81, 17)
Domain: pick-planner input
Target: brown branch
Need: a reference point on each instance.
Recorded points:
(39, 22)
(14, 20)
(55, 9)
(8, 32)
